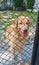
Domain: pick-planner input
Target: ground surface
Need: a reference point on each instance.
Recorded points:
(5, 54)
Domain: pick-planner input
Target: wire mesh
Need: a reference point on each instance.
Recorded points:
(6, 56)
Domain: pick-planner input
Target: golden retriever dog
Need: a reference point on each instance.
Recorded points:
(17, 33)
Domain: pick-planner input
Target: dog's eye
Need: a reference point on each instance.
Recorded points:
(26, 22)
(20, 23)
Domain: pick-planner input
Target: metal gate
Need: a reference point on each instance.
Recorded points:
(6, 57)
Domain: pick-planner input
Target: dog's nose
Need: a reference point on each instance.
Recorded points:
(25, 30)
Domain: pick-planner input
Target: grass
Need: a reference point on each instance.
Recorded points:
(14, 14)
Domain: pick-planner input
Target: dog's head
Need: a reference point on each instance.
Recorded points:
(22, 23)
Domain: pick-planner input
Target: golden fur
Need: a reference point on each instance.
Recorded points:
(14, 36)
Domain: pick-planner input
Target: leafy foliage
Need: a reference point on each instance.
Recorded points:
(30, 4)
(17, 2)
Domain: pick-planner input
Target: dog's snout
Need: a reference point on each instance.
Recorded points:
(25, 30)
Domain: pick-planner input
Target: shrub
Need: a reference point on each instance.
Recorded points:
(30, 4)
(17, 3)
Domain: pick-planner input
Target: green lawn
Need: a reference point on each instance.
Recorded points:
(13, 14)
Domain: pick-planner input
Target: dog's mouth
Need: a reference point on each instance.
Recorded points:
(24, 34)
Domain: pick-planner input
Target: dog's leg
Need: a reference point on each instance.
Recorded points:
(19, 56)
(16, 55)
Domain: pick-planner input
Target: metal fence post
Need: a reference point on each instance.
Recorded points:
(36, 44)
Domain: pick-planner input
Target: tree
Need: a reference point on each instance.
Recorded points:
(17, 3)
(30, 4)
(4, 2)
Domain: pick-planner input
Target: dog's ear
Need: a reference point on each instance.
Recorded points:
(29, 21)
(16, 22)
(13, 20)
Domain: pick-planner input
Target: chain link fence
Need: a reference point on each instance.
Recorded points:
(6, 56)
